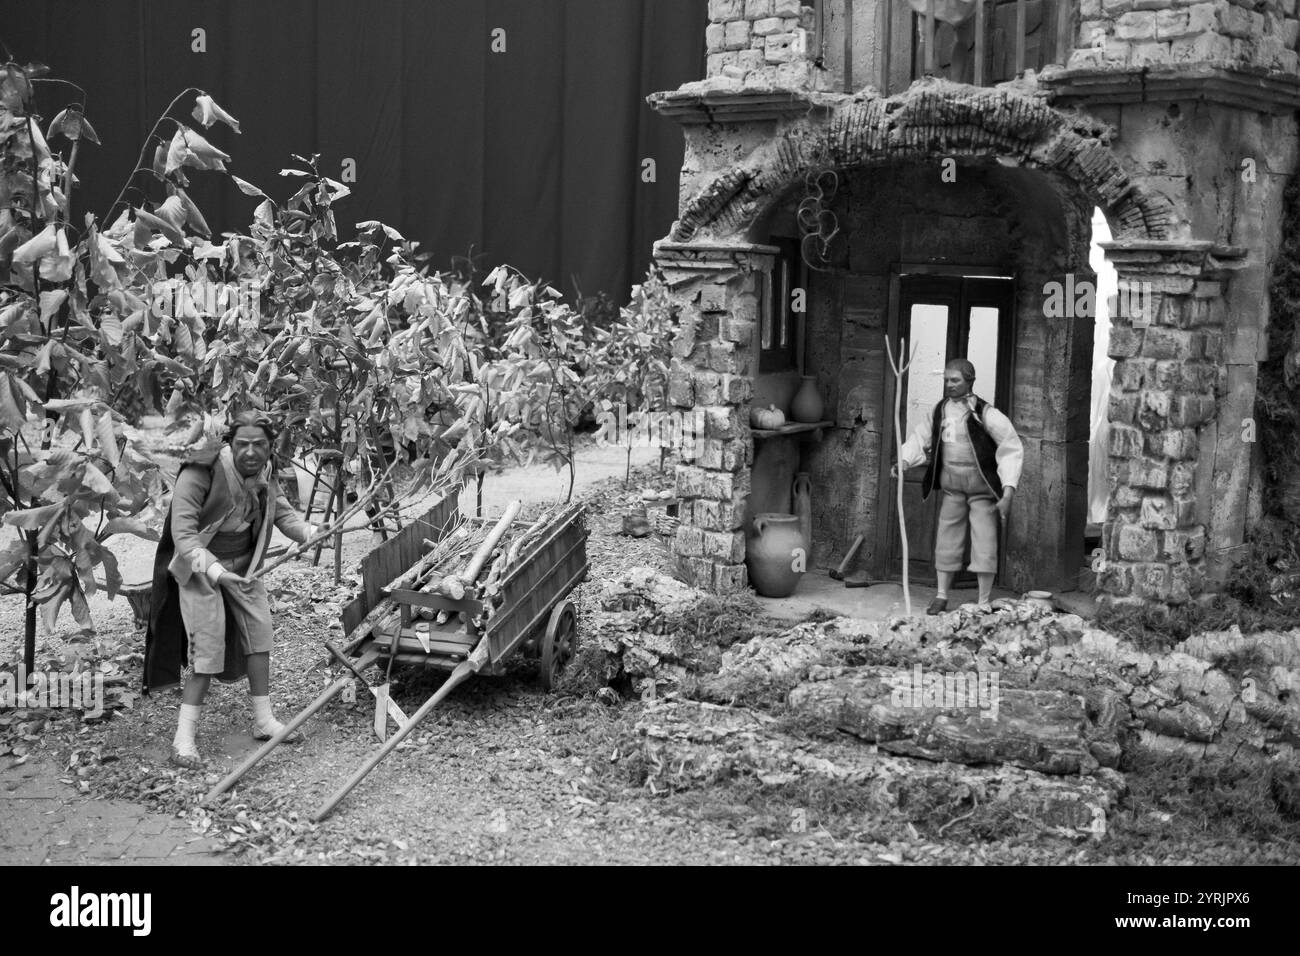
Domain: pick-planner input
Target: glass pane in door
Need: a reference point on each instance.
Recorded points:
(929, 330)
(982, 350)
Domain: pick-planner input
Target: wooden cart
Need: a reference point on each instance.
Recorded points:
(534, 616)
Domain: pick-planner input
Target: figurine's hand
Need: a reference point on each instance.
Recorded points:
(1004, 505)
(229, 579)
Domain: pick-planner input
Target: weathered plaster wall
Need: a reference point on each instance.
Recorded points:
(989, 217)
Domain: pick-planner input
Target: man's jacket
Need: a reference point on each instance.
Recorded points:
(996, 446)
(201, 501)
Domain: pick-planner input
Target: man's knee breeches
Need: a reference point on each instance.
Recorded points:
(966, 499)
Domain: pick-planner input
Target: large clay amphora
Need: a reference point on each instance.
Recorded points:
(775, 553)
(807, 406)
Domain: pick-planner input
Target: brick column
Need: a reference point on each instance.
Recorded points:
(717, 286)
(1162, 392)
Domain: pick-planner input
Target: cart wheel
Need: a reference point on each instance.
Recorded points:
(557, 644)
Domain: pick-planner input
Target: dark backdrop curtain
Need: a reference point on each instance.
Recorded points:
(532, 156)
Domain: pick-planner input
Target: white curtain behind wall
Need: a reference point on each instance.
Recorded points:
(1102, 367)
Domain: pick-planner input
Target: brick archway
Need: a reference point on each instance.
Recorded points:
(934, 118)
(1164, 384)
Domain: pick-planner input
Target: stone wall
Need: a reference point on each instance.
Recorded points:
(759, 43)
(1135, 33)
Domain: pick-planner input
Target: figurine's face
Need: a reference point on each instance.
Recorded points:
(251, 450)
(955, 384)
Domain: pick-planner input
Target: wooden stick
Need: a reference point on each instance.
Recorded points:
(898, 449)
(454, 583)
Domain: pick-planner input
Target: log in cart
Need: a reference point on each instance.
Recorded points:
(512, 596)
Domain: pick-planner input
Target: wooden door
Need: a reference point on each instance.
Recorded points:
(939, 317)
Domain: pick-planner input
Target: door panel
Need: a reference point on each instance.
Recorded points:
(942, 317)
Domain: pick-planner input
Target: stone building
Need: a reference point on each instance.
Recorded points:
(942, 194)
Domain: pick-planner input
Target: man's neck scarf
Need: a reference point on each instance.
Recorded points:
(246, 492)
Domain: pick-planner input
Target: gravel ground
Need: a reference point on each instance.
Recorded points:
(501, 772)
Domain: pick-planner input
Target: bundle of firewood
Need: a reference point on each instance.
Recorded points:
(475, 555)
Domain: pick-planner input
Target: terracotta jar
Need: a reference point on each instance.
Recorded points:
(807, 405)
(771, 554)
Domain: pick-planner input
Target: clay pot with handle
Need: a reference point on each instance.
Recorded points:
(775, 554)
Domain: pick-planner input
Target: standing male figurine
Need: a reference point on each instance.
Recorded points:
(977, 462)
(204, 607)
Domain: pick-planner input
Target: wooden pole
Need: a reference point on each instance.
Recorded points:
(929, 37)
(899, 371)
(1022, 10)
(979, 42)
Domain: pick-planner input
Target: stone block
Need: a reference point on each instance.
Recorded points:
(1115, 52)
(1235, 21)
(740, 331)
(1122, 408)
(1136, 25)
(681, 392)
(1137, 543)
(1202, 18)
(751, 59)
(1126, 497)
(730, 578)
(718, 516)
(1203, 48)
(1192, 410)
(722, 421)
(1181, 477)
(786, 8)
(737, 35)
(723, 359)
(1115, 8)
(1086, 57)
(757, 9)
(1128, 374)
(688, 541)
(1116, 578)
(1089, 10)
(725, 546)
(1155, 513)
(784, 47)
(1211, 343)
(711, 457)
(715, 37)
(1290, 33)
(719, 485)
(1179, 444)
(708, 388)
(714, 64)
(720, 10)
(1145, 473)
(1124, 342)
(1162, 343)
(684, 340)
(1151, 581)
(1184, 510)
(792, 75)
(1153, 410)
(714, 297)
(737, 389)
(1164, 374)
(690, 481)
(767, 27)
(1155, 53)
(697, 572)
(1172, 23)
(1125, 441)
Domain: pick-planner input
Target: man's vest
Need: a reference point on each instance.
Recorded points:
(986, 449)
